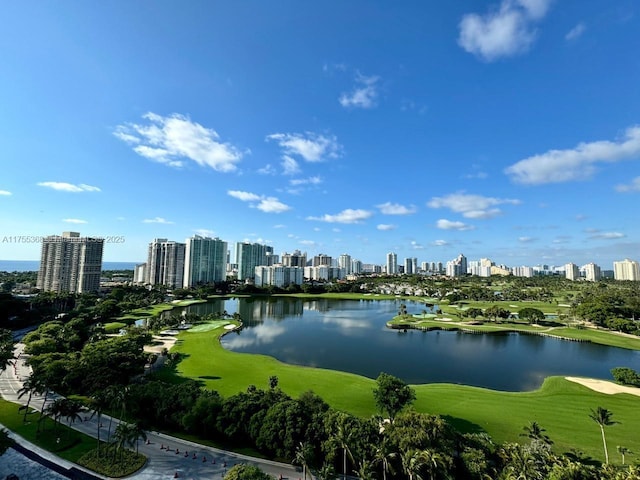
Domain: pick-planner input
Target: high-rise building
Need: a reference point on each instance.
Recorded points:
(295, 259)
(249, 256)
(592, 272)
(205, 261)
(457, 267)
(571, 271)
(408, 266)
(392, 263)
(344, 262)
(165, 263)
(140, 273)
(321, 259)
(278, 276)
(356, 267)
(70, 263)
(626, 270)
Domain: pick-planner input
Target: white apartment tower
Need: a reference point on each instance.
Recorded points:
(70, 263)
(592, 272)
(205, 261)
(626, 270)
(392, 263)
(571, 271)
(165, 263)
(344, 262)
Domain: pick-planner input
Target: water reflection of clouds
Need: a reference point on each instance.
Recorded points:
(259, 335)
(345, 323)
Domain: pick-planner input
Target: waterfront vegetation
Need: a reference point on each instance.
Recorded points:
(256, 403)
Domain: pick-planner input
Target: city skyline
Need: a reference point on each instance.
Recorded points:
(502, 129)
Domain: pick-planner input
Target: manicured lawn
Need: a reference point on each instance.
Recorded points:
(72, 444)
(157, 309)
(560, 406)
(601, 337)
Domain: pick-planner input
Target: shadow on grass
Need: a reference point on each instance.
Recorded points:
(462, 425)
(209, 377)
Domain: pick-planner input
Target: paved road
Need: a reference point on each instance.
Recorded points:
(167, 455)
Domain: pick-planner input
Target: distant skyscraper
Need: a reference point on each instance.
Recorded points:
(457, 267)
(356, 267)
(165, 263)
(205, 261)
(321, 259)
(408, 266)
(626, 270)
(70, 263)
(278, 276)
(140, 273)
(344, 262)
(571, 271)
(295, 259)
(249, 256)
(592, 272)
(392, 263)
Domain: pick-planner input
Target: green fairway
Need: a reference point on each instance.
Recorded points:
(560, 406)
(154, 310)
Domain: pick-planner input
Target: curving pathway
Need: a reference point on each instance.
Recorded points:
(168, 457)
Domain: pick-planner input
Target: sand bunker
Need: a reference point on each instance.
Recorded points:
(604, 386)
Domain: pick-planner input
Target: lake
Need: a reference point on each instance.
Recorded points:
(351, 336)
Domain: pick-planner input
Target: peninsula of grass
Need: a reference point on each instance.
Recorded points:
(560, 406)
(434, 322)
(157, 309)
(65, 442)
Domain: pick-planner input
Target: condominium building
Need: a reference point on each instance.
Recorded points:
(356, 267)
(392, 263)
(70, 263)
(626, 270)
(165, 263)
(205, 261)
(321, 259)
(140, 273)
(592, 272)
(571, 271)
(344, 262)
(457, 267)
(278, 276)
(249, 256)
(295, 259)
(323, 273)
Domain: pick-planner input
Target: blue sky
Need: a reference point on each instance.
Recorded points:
(503, 129)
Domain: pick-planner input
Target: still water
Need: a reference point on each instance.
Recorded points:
(351, 335)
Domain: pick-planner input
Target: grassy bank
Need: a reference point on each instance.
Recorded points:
(560, 406)
(602, 337)
(154, 310)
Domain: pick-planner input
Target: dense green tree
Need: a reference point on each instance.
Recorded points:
(6, 349)
(246, 472)
(531, 315)
(626, 376)
(392, 394)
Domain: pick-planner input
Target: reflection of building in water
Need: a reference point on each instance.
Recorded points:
(254, 311)
(320, 305)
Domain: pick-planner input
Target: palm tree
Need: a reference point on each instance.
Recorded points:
(365, 470)
(602, 417)
(382, 455)
(122, 437)
(535, 432)
(55, 409)
(31, 385)
(99, 402)
(412, 461)
(623, 451)
(71, 410)
(137, 433)
(433, 462)
(302, 452)
(341, 437)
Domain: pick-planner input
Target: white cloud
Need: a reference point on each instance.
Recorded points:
(279, 226)
(444, 224)
(175, 138)
(575, 32)
(289, 165)
(308, 243)
(346, 216)
(440, 243)
(416, 246)
(73, 220)
(306, 181)
(244, 196)
(472, 206)
(267, 170)
(526, 239)
(504, 31)
(5, 193)
(579, 163)
(69, 187)
(204, 232)
(363, 95)
(272, 205)
(157, 220)
(264, 203)
(396, 209)
(634, 186)
(607, 236)
(312, 147)
(385, 227)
